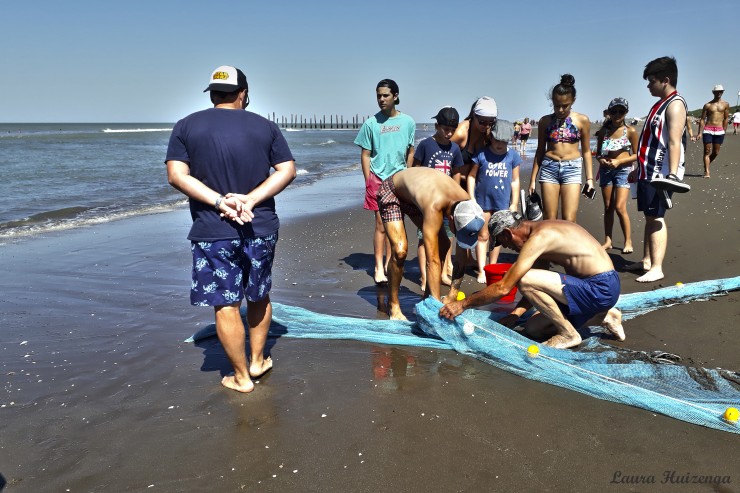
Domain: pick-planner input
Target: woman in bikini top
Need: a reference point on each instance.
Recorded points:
(616, 154)
(562, 136)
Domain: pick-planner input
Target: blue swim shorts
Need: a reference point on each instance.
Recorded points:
(615, 177)
(561, 172)
(712, 138)
(650, 200)
(225, 271)
(590, 296)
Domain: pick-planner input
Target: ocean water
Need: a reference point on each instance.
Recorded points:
(61, 176)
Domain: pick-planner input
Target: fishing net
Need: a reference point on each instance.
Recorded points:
(649, 380)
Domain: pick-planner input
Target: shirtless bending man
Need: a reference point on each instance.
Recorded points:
(712, 126)
(584, 295)
(426, 196)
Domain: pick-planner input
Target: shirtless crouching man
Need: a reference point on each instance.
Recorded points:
(584, 295)
(712, 126)
(426, 196)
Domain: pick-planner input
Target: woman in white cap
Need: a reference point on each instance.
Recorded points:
(616, 153)
(563, 153)
(473, 133)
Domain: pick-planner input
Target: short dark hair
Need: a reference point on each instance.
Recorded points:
(662, 67)
(566, 87)
(390, 84)
(220, 97)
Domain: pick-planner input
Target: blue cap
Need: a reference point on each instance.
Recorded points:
(468, 222)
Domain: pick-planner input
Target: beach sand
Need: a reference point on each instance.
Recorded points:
(100, 394)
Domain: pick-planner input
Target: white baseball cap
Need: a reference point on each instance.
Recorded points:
(718, 88)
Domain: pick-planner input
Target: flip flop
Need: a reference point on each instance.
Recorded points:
(671, 183)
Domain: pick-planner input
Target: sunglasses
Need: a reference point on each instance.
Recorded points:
(486, 123)
(618, 111)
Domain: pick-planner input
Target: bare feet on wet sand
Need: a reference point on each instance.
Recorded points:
(395, 313)
(256, 370)
(613, 323)
(628, 248)
(651, 276)
(380, 278)
(637, 266)
(559, 341)
(482, 278)
(231, 382)
(607, 245)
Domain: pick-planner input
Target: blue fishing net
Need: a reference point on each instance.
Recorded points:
(647, 380)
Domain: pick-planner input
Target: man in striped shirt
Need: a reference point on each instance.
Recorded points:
(660, 157)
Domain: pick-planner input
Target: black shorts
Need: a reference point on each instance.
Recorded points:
(650, 199)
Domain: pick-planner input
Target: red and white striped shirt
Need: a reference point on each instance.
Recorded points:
(652, 153)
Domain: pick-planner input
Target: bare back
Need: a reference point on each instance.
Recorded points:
(428, 189)
(566, 244)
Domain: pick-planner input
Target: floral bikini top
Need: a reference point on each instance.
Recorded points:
(562, 130)
(619, 144)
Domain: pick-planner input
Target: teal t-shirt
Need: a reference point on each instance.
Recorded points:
(387, 139)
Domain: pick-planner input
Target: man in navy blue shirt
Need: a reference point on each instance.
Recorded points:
(221, 159)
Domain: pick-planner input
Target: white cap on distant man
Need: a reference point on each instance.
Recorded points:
(718, 88)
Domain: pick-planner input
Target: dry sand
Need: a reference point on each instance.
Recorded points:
(100, 394)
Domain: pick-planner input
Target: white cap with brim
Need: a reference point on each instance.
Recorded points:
(486, 107)
(468, 222)
(718, 88)
(227, 79)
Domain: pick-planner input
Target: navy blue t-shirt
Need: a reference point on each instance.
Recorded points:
(440, 157)
(229, 151)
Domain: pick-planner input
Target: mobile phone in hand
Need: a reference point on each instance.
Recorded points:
(588, 192)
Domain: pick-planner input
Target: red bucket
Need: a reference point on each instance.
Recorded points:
(494, 273)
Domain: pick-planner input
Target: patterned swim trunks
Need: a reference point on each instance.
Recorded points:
(225, 271)
(391, 207)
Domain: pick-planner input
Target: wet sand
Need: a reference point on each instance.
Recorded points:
(100, 394)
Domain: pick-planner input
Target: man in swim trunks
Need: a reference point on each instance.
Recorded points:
(426, 196)
(735, 122)
(584, 295)
(712, 126)
(210, 154)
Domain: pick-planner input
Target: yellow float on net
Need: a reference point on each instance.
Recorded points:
(460, 296)
(731, 414)
(533, 351)
(679, 284)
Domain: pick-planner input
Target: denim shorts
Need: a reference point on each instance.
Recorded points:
(616, 177)
(225, 271)
(561, 172)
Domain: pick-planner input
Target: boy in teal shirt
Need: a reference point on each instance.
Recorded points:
(387, 142)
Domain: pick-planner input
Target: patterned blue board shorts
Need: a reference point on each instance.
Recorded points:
(227, 270)
(616, 177)
(561, 172)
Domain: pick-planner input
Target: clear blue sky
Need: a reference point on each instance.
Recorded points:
(149, 60)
